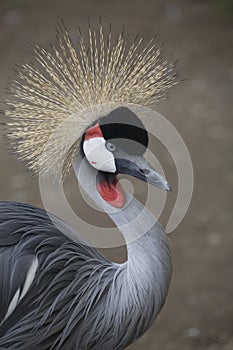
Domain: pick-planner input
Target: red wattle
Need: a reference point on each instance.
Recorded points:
(112, 193)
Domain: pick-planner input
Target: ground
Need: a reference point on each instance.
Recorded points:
(199, 311)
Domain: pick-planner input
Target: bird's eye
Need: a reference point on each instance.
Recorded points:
(110, 146)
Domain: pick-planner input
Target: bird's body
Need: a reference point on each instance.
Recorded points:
(57, 292)
(77, 299)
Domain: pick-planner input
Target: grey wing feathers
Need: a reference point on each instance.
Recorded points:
(29, 242)
(15, 263)
(13, 277)
(75, 298)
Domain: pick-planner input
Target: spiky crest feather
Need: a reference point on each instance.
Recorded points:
(62, 84)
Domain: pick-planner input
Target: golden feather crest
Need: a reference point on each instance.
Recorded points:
(65, 82)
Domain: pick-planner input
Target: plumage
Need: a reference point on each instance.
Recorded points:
(56, 291)
(78, 300)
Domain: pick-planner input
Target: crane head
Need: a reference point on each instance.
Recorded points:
(116, 144)
(51, 96)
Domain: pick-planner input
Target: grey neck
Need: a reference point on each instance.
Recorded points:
(143, 234)
(147, 272)
(133, 220)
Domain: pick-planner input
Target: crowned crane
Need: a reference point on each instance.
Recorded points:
(60, 293)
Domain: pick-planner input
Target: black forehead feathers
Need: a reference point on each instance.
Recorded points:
(122, 126)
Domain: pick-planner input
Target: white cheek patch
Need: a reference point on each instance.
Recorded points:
(98, 155)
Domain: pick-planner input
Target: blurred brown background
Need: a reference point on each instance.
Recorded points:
(199, 310)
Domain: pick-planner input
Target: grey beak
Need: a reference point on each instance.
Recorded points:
(140, 168)
(154, 178)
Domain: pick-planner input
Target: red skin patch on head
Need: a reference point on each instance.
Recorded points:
(113, 193)
(92, 132)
